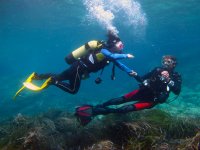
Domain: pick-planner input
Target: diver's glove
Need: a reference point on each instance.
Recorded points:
(164, 79)
(133, 73)
(171, 83)
(146, 83)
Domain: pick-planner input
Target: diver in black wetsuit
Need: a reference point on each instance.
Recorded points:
(92, 62)
(154, 89)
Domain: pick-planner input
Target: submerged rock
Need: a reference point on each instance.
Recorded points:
(103, 145)
(191, 143)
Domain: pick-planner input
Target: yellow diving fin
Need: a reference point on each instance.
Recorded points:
(19, 91)
(34, 87)
(28, 84)
(29, 79)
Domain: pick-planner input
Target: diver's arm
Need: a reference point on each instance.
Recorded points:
(149, 74)
(113, 56)
(141, 79)
(122, 66)
(138, 78)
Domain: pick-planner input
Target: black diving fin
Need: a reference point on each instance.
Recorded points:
(84, 114)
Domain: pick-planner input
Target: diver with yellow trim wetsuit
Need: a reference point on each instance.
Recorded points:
(91, 57)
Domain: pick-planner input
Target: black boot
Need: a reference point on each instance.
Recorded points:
(53, 80)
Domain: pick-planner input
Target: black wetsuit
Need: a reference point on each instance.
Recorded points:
(156, 91)
(73, 74)
(82, 67)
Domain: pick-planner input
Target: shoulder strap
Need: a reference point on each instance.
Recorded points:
(87, 46)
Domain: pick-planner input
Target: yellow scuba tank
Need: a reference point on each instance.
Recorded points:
(83, 51)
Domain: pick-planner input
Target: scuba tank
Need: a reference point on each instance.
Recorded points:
(83, 51)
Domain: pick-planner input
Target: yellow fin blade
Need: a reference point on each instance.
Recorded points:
(29, 79)
(31, 86)
(34, 87)
(17, 93)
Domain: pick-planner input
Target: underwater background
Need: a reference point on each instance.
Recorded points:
(36, 35)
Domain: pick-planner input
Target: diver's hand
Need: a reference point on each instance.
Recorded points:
(133, 73)
(165, 76)
(130, 56)
(146, 82)
(171, 83)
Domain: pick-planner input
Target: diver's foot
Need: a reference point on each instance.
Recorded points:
(84, 114)
(35, 77)
(53, 80)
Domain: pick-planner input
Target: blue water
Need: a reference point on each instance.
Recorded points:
(36, 35)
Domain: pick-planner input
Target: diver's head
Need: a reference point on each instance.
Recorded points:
(169, 62)
(114, 43)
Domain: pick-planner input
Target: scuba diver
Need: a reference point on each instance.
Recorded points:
(154, 89)
(91, 57)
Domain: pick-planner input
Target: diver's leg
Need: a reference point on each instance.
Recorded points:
(123, 99)
(144, 105)
(114, 101)
(102, 110)
(134, 95)
(124, 109)
(65, 75)
(74, 81)
(134, 107)
(107, 110)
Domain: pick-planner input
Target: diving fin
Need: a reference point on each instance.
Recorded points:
(29, 79)
(19, 91)
(28, 84)
(84, 114)
(34, 87)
